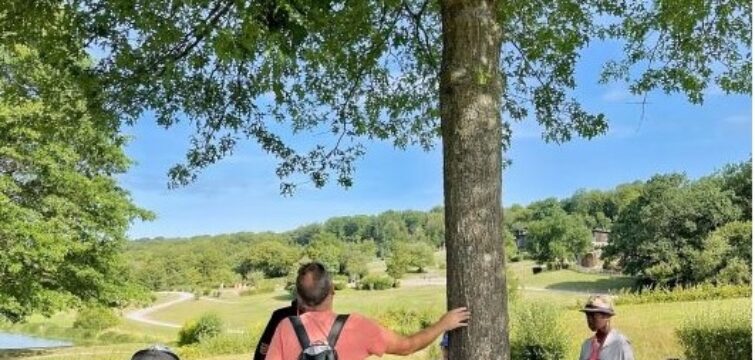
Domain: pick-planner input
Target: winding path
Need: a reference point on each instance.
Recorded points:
(140, 315)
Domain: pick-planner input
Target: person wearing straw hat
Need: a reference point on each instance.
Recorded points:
(608, 343)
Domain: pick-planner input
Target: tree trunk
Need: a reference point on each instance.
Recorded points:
(470, 98)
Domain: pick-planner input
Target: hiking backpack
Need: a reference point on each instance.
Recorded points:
(318, 350)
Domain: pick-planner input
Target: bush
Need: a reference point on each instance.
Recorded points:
(261, 287)
(376, 282)
(737, 271)
(692, 293)
(340, 282)
(537, 333)
(717, 335)
(222, 344)
(255, 277)
(207, 326)
(407, 321)
(96, 318)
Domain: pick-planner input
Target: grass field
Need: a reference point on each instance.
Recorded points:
(650, 326)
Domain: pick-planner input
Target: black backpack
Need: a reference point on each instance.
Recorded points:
(318, 350)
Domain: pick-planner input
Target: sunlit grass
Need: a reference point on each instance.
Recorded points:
(650, 327)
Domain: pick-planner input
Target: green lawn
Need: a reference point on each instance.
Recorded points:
(650, 327)
(568, 280)
(248, 311)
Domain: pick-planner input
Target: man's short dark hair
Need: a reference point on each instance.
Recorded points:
(313, 284)
(155, 354)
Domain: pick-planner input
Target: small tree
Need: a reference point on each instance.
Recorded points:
(559, 238)
(420, 255)
(662, 235)
(96, 318)
(328, 250)
(274, 258)
(356, 257)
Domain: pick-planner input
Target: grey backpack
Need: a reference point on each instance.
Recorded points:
(318, 350)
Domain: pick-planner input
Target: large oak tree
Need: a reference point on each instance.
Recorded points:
(404, 70)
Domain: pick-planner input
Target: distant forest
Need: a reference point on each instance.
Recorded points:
(666, 230)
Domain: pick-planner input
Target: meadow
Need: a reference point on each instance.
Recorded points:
(650, 327)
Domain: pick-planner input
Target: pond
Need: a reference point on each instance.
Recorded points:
(18, 341)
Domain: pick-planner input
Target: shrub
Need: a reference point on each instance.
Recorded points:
(736, 272)
(227, 343)
(96, 318)
(207, 326)
(255, 277)
(340, 282)
(376, 282)
(717, 335)
(537, 333)
(407, 321)
(261, 287)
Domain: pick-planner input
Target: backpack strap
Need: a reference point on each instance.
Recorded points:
(301, 333)
(335, 330)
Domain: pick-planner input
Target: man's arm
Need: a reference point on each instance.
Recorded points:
(267, 335)
(404, 345)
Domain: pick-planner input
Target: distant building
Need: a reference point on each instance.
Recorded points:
(599, 241)
(600, 238)
(521, 238)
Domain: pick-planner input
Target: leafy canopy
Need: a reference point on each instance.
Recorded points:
(63, 216)
(265, 70)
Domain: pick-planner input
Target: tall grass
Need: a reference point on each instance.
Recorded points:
(678, 294)
(717, 335)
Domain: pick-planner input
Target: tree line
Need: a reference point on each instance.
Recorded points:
(668, 230)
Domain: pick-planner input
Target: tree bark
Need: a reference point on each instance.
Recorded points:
(470, 98)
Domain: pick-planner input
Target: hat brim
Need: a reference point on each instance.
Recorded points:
(598, 310)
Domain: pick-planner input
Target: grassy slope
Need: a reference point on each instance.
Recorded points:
(650, 327)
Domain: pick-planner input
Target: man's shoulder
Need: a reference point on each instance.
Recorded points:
(284, 312)
(359, 320)
(618, 336)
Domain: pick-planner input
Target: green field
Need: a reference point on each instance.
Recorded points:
(649, 326)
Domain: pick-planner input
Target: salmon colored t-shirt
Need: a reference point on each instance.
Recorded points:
(360, 336)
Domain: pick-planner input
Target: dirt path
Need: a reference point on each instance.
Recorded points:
(141, 314)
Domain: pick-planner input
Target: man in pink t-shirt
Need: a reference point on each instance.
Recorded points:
(360, 336)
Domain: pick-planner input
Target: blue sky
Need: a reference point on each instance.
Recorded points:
(241, 192)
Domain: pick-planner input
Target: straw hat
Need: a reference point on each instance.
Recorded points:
(599, 304)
